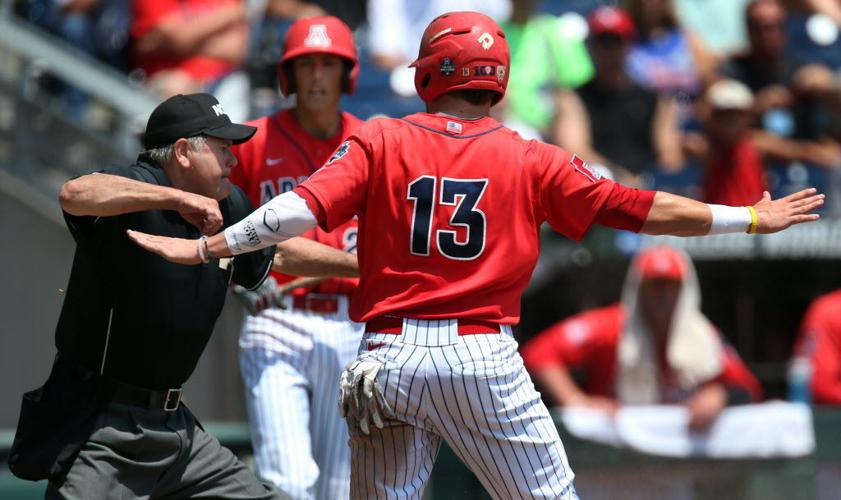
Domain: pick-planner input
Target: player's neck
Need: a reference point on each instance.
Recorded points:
(321, 125)
(458, 108)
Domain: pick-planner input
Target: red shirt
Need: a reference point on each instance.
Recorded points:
(735, 176)
(147, 14)
(278, 157)
(820, 340)
(450, 211)
(588, 342)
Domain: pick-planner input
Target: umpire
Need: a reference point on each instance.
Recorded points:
(109, 421)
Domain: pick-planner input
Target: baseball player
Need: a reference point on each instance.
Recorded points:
(291, 356)
(450, 203)
(819, 342)
(655, 346)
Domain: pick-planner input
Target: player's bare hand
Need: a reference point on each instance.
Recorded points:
(776, 215)
(705, 405)
(200, 211)
(361, 399)
(176, 250)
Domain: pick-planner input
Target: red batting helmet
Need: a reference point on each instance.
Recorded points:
(462, 50)
(318, 35)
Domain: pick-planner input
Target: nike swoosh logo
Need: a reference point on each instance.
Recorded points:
(273, 161)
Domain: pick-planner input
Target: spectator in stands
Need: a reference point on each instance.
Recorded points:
(764, 67)
(293, 9)
(610, 120)
(654, 347)
(666, 57)
(820, 342)
(821, 82)
(814, 31)
(545, 58)
(830, 8)
(98, 28)
(186, 46)
(719, 24)
(351, 12)
(734, 169)
(787, 97)
(395, 27)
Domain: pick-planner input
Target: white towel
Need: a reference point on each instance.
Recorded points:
(694, 351)
(766, 430)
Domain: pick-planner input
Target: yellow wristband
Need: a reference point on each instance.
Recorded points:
(754, 221)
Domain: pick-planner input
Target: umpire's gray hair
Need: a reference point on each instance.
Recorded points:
(163, 154)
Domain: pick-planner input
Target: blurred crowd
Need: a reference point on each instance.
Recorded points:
(720, 100)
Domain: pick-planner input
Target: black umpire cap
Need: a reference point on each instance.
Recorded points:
(191, 115)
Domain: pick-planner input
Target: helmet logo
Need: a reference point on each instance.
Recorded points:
(486, 40)
(317, 36)
(447, 67)
(500, 74)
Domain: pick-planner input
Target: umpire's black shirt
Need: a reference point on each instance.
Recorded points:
(131, 315)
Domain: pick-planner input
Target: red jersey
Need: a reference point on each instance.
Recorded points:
(735, 177)
(588, 342)
(820, 341)
(450, 212)
(146, 14)
(278, 157)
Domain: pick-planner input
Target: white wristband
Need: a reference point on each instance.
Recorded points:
(729, 219)
(283, 217)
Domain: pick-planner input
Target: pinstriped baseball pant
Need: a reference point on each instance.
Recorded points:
(291, 361)
(473, 392)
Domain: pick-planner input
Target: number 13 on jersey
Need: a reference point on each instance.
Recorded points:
(424, 193)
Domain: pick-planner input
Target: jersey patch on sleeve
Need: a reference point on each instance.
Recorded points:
(586, 170)
(343, 149)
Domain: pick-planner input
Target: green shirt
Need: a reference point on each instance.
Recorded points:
(544, 56)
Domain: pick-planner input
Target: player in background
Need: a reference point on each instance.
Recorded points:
(819, 346)
(291, 354)
(655, 346)
(450, 203)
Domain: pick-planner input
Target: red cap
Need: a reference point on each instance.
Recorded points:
(318, 35)
(661, 262)
(611, 21)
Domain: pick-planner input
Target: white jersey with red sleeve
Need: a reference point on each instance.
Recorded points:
(280, 156)
(450, 211)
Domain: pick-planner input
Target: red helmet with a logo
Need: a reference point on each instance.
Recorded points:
(318, 35)
(462, 50)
